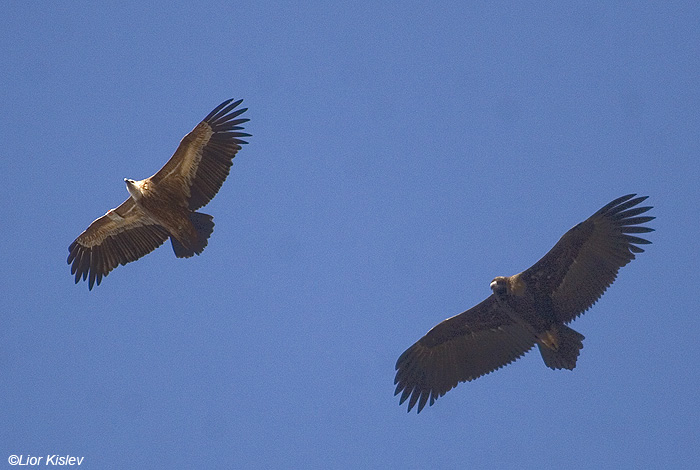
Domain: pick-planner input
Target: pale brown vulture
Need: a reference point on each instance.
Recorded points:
(529, 308)
(163, 206)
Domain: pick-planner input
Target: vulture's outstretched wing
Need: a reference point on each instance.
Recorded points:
(585, 261)
(204, 157)
(459, 349)
(120, 236)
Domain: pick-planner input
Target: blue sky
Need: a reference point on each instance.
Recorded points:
(403, 154)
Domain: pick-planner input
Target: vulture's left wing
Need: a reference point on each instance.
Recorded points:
(204, 157)
(585, 261)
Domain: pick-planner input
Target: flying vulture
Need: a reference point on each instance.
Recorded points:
(529, 308)
(163, 206)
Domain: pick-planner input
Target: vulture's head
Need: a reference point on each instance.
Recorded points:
(134, 188)
(499, 286)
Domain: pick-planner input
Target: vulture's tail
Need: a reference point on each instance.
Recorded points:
(560, 347)
(203, 225)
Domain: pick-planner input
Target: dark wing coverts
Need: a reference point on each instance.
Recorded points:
(459, 349)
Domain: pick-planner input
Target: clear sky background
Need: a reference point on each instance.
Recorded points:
(403, 154)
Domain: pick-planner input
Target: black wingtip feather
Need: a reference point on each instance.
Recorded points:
(217, 109)
(619, 208)
(224, 118)
(637, 240)
(629, 213)
(222, 113)
(639, 220)
(614, 203)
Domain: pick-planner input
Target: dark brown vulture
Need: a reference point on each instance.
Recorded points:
(529, 308)
(163, 206)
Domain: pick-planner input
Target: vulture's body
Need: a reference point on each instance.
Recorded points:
(164, 205)
(529, 308)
